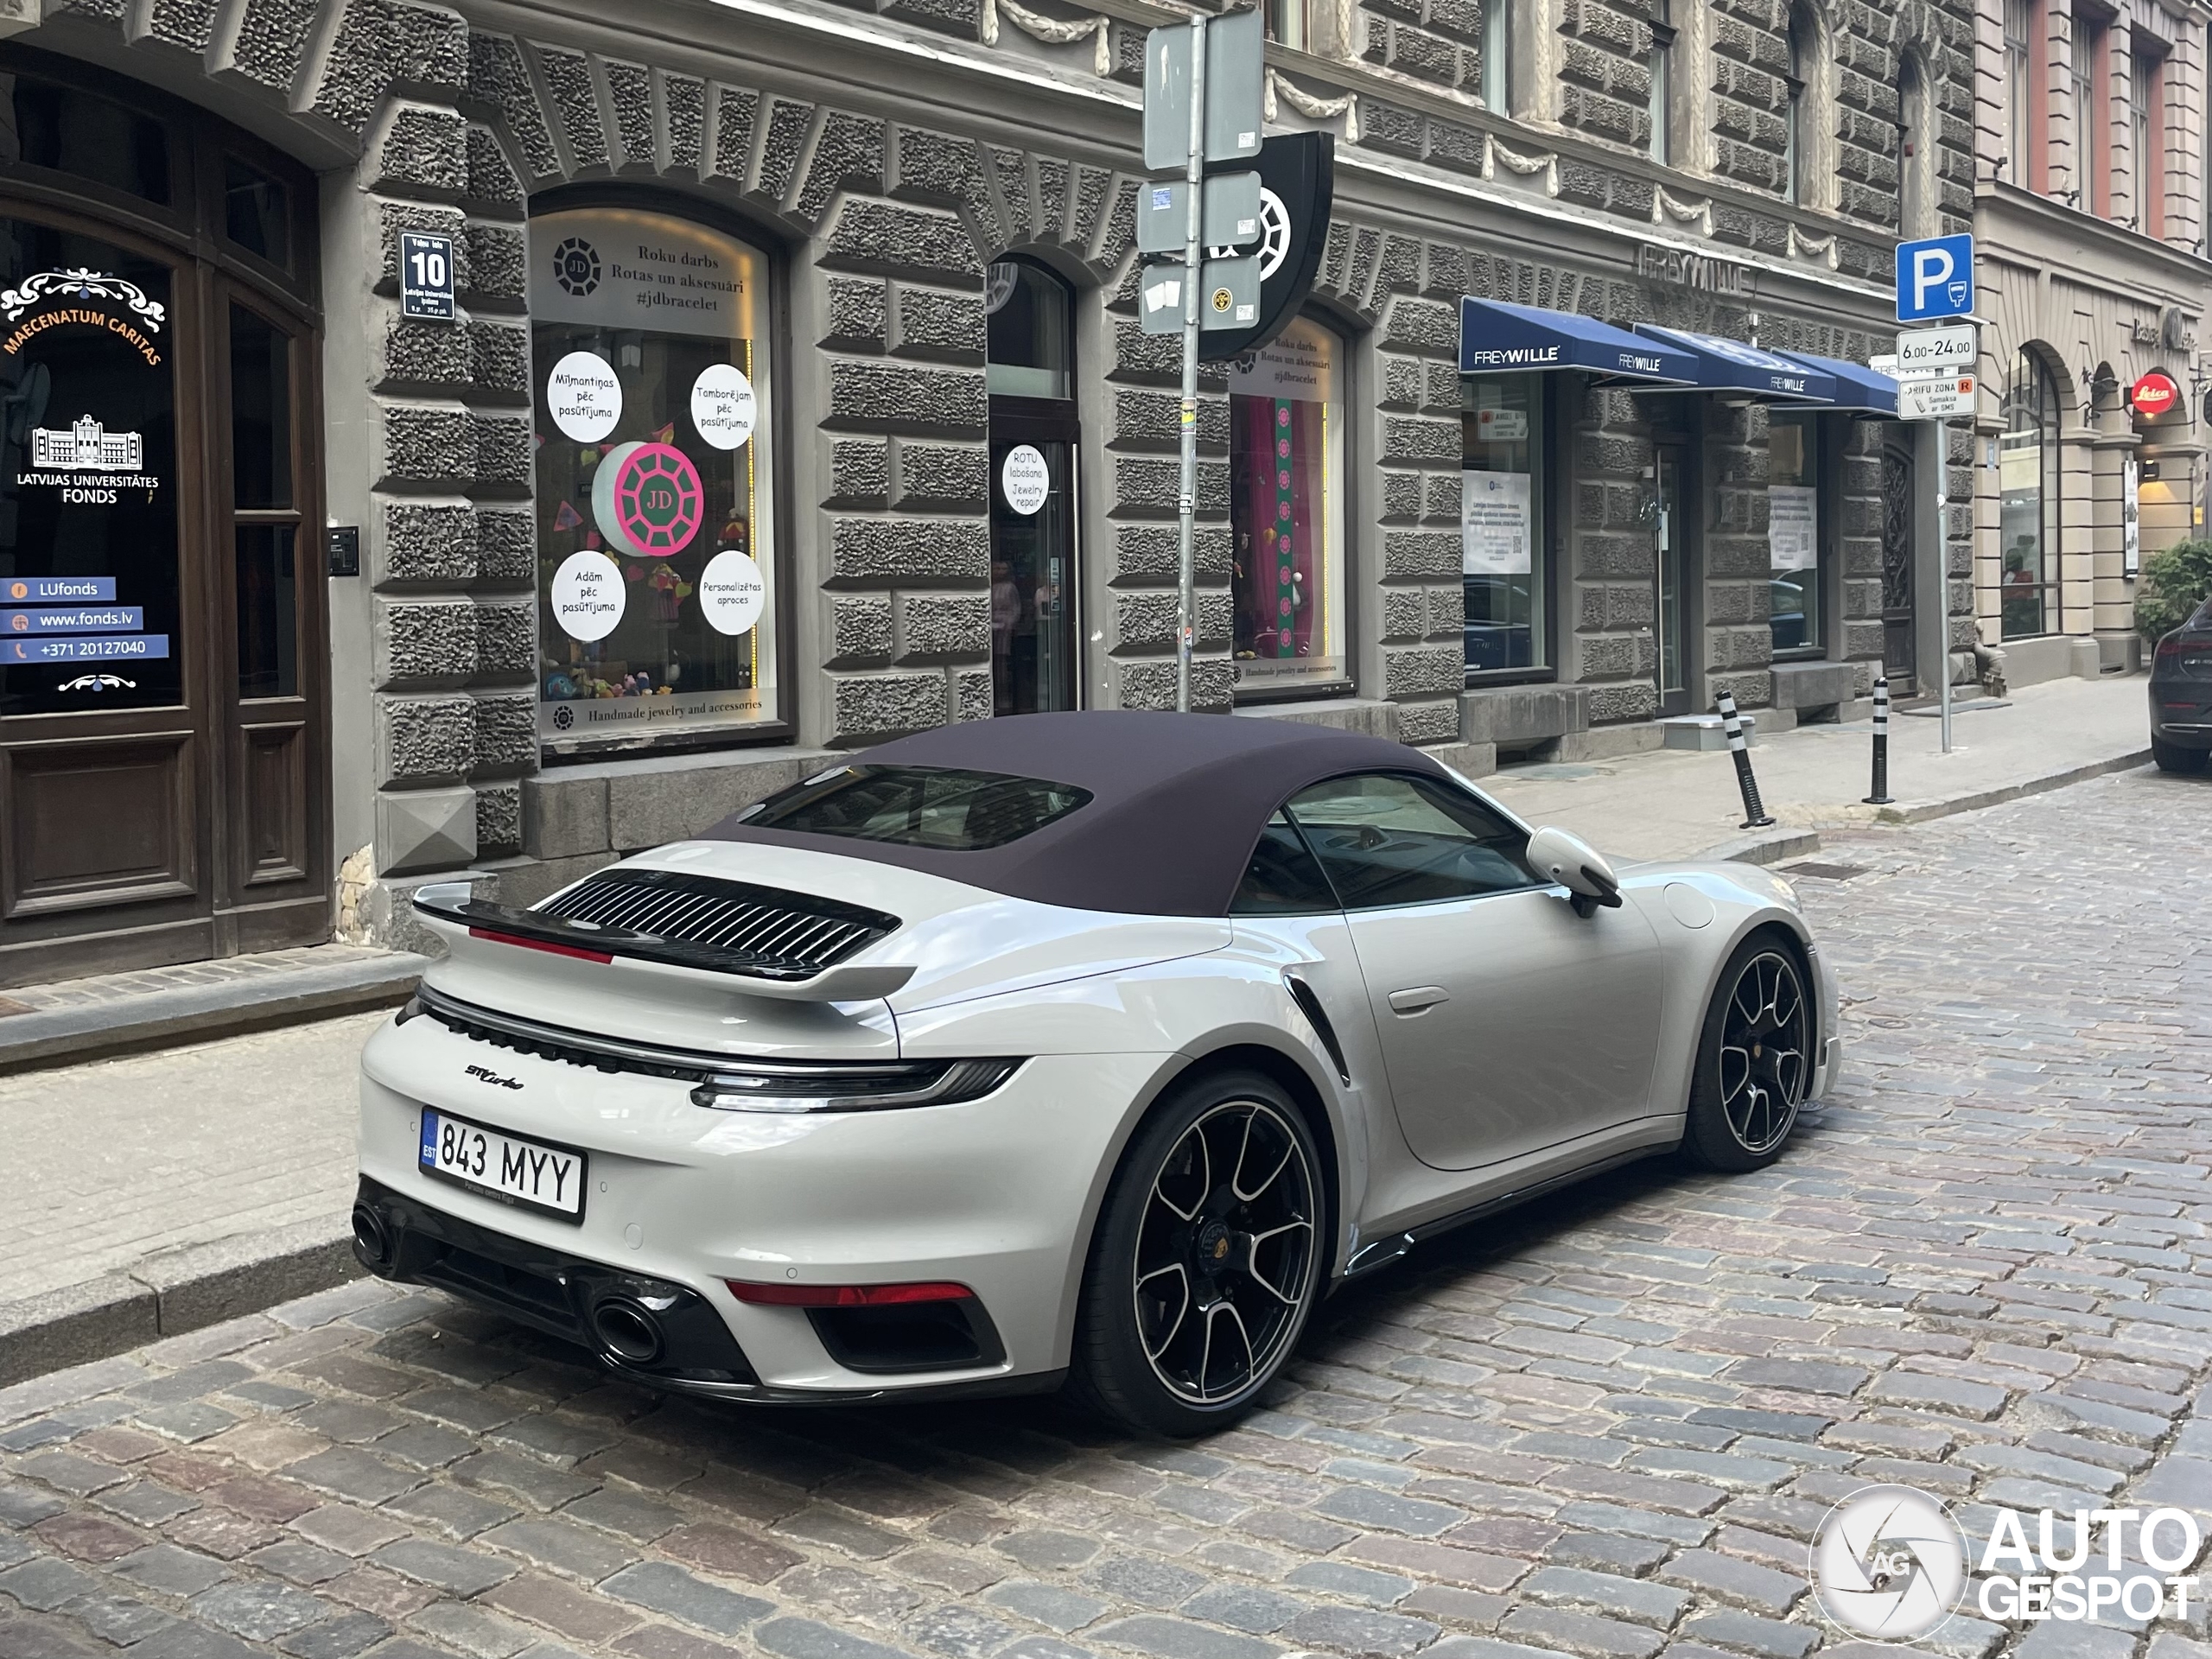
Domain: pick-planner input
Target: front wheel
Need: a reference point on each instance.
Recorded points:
(2172, 757)
(1754, 1061)
(1206, 1261)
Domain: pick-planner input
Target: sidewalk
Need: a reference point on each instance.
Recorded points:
(158, 1193)
(1678, 802)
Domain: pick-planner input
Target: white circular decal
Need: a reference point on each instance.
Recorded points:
(1889, 1563)
(731, 593)
(603, 511)
(587, 596)
(1025, 478)
(723, 407)
(584, 395)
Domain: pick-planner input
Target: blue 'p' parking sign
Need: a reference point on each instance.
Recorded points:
(1936, 278)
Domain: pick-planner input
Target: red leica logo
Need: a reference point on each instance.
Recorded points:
(2154, 394)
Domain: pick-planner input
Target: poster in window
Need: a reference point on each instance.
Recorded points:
(1793, 527)
(653, 477)
(91, 598)
(1496, 524)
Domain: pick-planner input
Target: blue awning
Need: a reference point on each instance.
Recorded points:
(1730, 365)
(1497, 337)
(1859, 390)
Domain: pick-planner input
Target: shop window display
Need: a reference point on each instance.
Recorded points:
(1286, 415)
(1500, 524)
(1794, 618)
(656, 579)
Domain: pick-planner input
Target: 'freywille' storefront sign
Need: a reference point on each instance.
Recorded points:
(1698, 271)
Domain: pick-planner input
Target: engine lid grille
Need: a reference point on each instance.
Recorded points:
(765, 930)
(685, 921)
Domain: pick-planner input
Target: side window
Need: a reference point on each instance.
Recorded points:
(1282, 879)
(1386, 839)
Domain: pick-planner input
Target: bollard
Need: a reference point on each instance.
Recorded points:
(1755, 814)
(1881, 796)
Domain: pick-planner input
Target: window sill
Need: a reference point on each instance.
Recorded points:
(1479, 678)
(1307, 692)
(579, 751)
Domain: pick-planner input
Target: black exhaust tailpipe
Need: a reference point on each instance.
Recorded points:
(626, 1330)
(372, 1239)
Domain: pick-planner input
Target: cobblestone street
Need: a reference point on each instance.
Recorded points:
(1603, 1427)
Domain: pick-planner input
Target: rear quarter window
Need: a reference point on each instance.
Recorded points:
(947, 807)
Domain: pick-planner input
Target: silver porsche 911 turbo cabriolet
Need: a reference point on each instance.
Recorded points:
(1087, 1050)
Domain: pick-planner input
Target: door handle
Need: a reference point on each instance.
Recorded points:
(1417, 999)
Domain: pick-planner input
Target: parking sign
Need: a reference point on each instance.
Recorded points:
(1936, 278)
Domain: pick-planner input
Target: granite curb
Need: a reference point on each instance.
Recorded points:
(171, 1292)
(162, 1019)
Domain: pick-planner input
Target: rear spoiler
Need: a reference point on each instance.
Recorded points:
(453, 904)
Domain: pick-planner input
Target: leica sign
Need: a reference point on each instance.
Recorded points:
(2154, 394)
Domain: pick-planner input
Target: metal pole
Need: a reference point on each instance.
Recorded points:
(1943, 564)
(1881, 796)
(1186, 507)
(1756, 816)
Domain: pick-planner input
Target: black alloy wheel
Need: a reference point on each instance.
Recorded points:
(1755, 1060)
(1207, 1260)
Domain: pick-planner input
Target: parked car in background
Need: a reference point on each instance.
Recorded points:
(2181, 696)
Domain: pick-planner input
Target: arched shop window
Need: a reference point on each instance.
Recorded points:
(1286, 510)
(656, 571)
(2028, 505)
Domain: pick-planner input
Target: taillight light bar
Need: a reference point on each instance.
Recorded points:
(547, 945)
(941, 1290)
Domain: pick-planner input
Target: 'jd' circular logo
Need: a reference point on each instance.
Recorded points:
(1889, 1563)
(576, 266)
(657, 497)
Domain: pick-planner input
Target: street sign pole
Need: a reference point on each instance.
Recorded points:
(1936, 284)
(1186, 506)
(1943, 555)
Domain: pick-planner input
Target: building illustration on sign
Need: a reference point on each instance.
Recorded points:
(86, 446)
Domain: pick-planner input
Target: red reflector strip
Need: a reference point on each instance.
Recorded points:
(847, 1295)
(546, 945)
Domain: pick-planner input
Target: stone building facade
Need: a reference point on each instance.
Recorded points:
(2091, 216)
(877, 189)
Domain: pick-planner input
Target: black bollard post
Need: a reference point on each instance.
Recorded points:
(1881, 796)
(1755, 814)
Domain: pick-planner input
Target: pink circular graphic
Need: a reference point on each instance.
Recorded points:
(658, 498)
(1282, 417)
(1283, 480)
(1282, 447)
(1282, 510)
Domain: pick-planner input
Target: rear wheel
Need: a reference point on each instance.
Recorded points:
(2172, 757)
(1754, 1060)
(1206, 1261)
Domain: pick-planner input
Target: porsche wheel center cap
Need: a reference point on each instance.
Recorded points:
(1213, 1245)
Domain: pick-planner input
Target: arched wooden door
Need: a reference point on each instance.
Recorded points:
(163, 705)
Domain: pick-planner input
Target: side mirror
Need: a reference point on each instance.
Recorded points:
(1577, 866)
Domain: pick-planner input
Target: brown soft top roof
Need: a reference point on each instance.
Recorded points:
(1177, 802)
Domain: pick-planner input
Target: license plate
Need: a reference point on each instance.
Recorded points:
(497, 1164)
